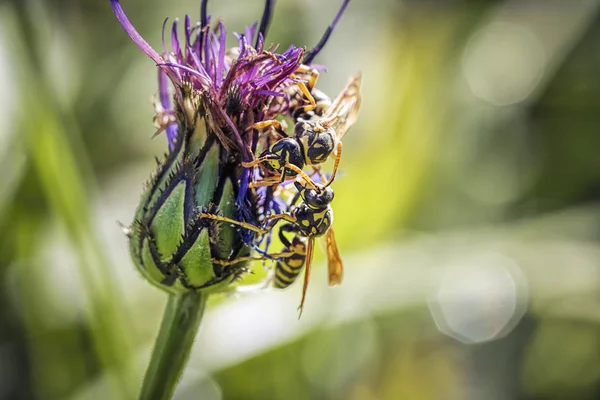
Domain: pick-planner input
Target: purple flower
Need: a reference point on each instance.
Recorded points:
(209, 99)
(232, 86)
(231, 89)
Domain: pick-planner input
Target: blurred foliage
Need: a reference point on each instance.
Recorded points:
(480, 119)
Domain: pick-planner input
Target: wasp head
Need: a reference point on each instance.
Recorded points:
(315, 198)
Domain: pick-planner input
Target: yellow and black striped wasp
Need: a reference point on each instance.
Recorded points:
(315, 138)
(313, 219)
(310, 219)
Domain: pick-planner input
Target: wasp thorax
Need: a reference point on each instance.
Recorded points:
(282, 152)
(311, 221)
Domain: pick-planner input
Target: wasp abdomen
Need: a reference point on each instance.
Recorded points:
(287, 270)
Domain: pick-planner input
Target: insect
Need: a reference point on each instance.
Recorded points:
(314, 218)
(318, 101)
(310, 219)
(315, 139)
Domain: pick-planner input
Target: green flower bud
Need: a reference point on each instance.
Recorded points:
(171, 245)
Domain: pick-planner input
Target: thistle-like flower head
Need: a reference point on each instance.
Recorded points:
(209, 100)
(236, 84)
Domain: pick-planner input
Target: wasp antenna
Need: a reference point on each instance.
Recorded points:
(265, 21)
(311, 54)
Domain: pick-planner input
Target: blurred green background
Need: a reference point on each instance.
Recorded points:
(467, 208)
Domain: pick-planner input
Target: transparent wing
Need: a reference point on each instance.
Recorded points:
(334, 260)
(343, 111)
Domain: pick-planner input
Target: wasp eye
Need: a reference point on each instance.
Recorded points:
(327, 195)
(316, 198)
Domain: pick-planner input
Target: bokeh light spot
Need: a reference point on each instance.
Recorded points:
(480, 299)
(503, 63)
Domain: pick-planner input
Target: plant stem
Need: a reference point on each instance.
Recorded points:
(178, 329)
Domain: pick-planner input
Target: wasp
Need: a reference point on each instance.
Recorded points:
(318, 131)
(310, 219)
(314, 218)
(318, 101)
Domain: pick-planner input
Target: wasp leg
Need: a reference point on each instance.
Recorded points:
(309, 97)
(248, 226)
(287, 217)
(306, 92)
(245, 225)
(314, 75)
(338, 156)
(227, 263)
(275, 256)
(266, 182)
(303, 174)
(283, 254)
(258, 161)
(271, 123)
(272, 181)
(281, 178)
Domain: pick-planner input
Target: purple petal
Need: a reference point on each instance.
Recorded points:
(264, 92)
(244, 181)
(259, 42)
(163, 35)
(187, 31)
(163, 90)
(212, 65)
(187, 69)
(221, 64)
(206, 41)
(250, 31)
(133, 33)
(242, 39)
(172, 135)
(175, 39)
(195, 61)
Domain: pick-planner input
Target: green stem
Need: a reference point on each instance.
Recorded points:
(180, 323)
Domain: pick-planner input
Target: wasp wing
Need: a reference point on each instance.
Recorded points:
(309, 256)
(343, 111)
(334, 260)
